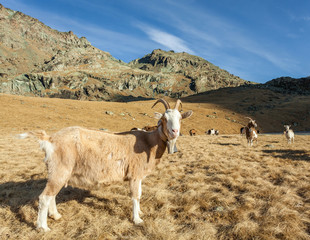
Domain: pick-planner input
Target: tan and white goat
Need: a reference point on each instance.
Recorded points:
(250, 131)
(289, 134)
(83, 157)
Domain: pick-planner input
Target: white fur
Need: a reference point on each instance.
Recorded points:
(255, 135)
(48, 148)
(44, 202)
(173, 117)
(136, 208)
(52, 209)
(289, 134)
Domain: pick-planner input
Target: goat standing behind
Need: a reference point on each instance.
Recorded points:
(250, 132)
(192, 132)
(211, 131)
(83, 157)
(289, 134)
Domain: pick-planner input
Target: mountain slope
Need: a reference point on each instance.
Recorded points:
(26, 42)
(203, 75)
(271, 109)
(40, 61)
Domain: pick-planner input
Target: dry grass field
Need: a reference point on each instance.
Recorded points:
(214, 187)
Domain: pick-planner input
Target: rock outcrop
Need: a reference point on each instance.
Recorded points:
(201, 74)
(290, 85)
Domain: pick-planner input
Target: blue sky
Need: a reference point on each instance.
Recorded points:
(257, 40)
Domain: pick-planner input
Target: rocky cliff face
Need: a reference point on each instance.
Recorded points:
(37, 60)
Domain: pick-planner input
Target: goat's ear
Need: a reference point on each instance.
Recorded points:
(187, 114)
(157, 115)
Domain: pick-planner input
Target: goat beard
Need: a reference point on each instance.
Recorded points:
(171, 145)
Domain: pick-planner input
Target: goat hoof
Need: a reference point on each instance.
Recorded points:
(56, 216)
(138, 221)
(45, 229)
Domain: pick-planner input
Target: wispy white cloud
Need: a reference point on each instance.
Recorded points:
(217, 34)
(306, 18)
(165, 39)
(297, 18)
(124, 46)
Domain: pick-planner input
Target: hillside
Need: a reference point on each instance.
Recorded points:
(223, 109)
(271, 109)
(214, 187)
(39, 61)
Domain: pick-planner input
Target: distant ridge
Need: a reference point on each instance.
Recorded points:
(290, 85)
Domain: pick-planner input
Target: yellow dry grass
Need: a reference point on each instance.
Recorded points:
(215, 187)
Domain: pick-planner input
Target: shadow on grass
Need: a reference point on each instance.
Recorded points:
(295, 155)
(16, 195)
(229, 144)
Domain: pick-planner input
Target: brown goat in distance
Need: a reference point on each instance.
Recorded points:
(250, 131)
(149, 128)
(193, 132)
(146, 128)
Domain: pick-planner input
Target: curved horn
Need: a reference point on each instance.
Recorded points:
(163, 101)
(249, 118)
(177, 104)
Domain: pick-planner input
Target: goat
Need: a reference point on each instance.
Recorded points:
(149, 128)
(289, 134)
(250, 131)
(217, 132)
(146, 128)
(211, 132)
(83, 157)
(192, 132)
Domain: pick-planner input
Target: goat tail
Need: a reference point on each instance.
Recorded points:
(40, 134)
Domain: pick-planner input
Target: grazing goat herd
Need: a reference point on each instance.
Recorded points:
(84, 158)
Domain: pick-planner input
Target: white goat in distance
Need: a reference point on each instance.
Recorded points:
(83, 157)
(289, 134)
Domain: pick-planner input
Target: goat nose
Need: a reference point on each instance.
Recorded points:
(175, 130)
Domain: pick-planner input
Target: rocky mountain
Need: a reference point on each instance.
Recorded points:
(290, 85)
(37, 60)
(26, 43)
(200, 74)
